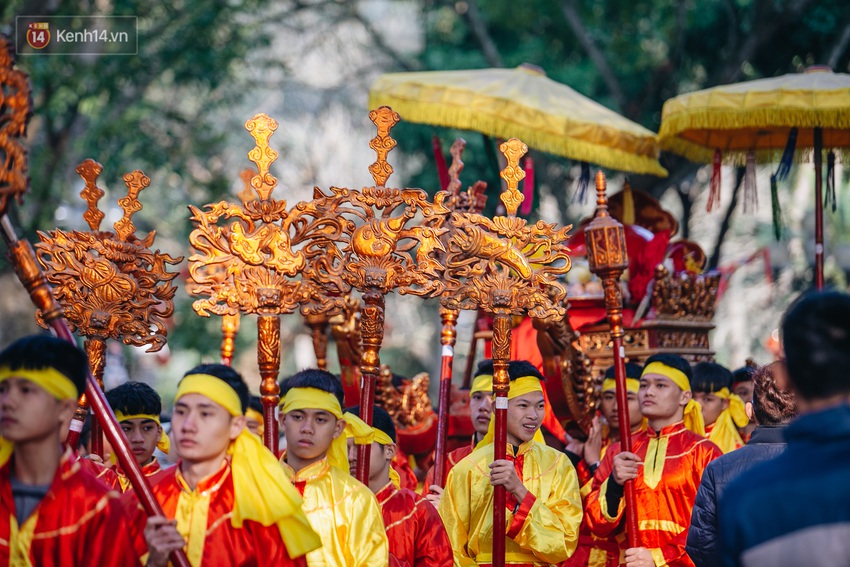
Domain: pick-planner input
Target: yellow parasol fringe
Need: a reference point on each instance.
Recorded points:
(700, 154)
(641, 158)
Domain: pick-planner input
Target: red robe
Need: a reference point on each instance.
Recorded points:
(149, 469)
(415, 530)
(79, 521)
(453, 458)
(666, 487)
(405, 474)
(217, 543)
(106, 475)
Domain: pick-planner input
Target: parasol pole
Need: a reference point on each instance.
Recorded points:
(606, 255)
(22, 257)
(448, 337)
(818, 140)
(229, 329)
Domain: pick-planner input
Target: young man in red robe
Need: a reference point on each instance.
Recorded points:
(137, 407)
(666, 464)
(53, 511)
(480, 410)
(227, 501)
(415, 530)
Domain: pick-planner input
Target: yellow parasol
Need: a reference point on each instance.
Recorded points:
(792, 116)
(521, 103)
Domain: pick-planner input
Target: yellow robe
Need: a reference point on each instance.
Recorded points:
(545, 528)
(344, 513)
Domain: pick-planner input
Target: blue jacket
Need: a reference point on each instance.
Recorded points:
(794, 511)
(703, 544)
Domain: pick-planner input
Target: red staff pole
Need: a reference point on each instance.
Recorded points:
(501, 385)
(448, 336)
(605, 239)
(22, 257)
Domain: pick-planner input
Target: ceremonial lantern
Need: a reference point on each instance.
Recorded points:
(388, 240)
(606, 255)
(506, 268)
(15, 105)
(267, 261)
(110, 285)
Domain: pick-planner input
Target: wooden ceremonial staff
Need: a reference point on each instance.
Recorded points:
(506, 268)
(606, 255)
(380, 253)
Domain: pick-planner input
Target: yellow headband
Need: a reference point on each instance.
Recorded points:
(48, 379)
(632, 385)
(216, 389)
(363, 433)
(692, 417)
(524, 385)
(164, 443)
(313, 398)
(254, 414)
(677, 376)
(736, 407)
(482, 383)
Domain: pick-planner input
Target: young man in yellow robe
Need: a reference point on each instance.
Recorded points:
(722, 411)
(137, 407)
(342, 510)
(415, 531)
(53, 511)
(666, 464)
(227, 502)
(544, 504)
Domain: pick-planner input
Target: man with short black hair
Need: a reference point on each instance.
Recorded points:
(795, 509)
(772, 408)
(52, 510)
(666, 464)
(137, 407)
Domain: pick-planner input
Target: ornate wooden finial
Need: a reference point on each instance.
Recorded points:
(15, 110)
(111, 286)
(261, 127)
(247, 193)
(512, 174)
(601, 197)
(135, 182)
(90, 170)
(384, 118)
(456, 167)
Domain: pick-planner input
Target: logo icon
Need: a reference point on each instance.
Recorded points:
(38, 35)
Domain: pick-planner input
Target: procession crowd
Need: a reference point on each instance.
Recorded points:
(746, 468)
